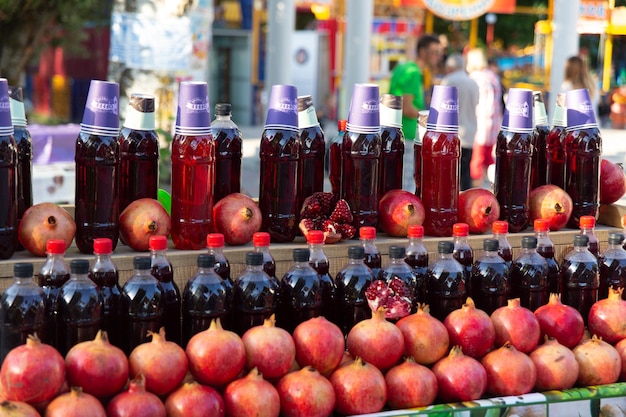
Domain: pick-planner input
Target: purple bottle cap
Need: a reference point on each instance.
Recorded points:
(364, 113)
(101, 115)
(580, 113)
(193, 116)
(6, 125)
(282, 111)
(444, 109)
(518, 113)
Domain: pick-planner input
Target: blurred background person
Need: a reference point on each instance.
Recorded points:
(577, 76)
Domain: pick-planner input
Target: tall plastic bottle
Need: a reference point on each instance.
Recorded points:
(500, 229)
(422, 121)
(98, 168)
(52, 275)
(417, 257)
(555, 169)
(392, 144)
(539, 174)
(514, 152)
(489, 284)
(612, 266)
(228, 151)
(445, 283)
(463, 252)
(193, 167)
(139, 151)
(587, 227)
(583, 153)
(371, 257)
(261, 243)
(312, 150)
(319, 261)
(215, 245)
(161, 269)
(545, 248)
(22, 309)
(279, 193)
(79, 306)
(580, 277)
(529, 276)
(397, 268)
(361, 156)
(8, 177)
(335, 164)
(441, 153)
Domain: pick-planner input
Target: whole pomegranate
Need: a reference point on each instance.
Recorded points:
(397, 210)
(195, 400)
(33, 372)
(426, 339)
(509, 371)
(75, 403)
(376, 341)
(305, 393)
(552, 203)
(136, 402)
(17, 409)
(560, 321)
(607, 318)
(479, 208)
(251, 396)
(459, 377)
(320, 344)
(216, 356)
(517, 325)
(237, 217)
(612, 182)
(359, 388)
(599, 363)
(141, 220)
(556, 365)
(471, 329)
(163, 363)
(410, 385)
(42, 222)
(621, 350)
(97, 366)
(270, 349)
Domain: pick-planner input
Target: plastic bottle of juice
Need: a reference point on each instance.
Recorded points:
(104, 274)
(587, 227)
(261, 243)
(417, 257)
(98, 168)
(371, 257)
(193, 168)
(500, 230)
(441, 153)
(580, 277)
(215, 245)
(555, 169)
(545, 248)
(161, 269)
(206, 297)
(392, 144)
(529, 276)
(22, 309)
(445, 283)
(139, 151)
(612, 266)
(228, 151)
(397, 268)
(489, 285)
(463, 252)
(79, 308)
(319, 261)
(53, 274)
(538, 174)
(335, 169)
(8, 174)
(422, 120)
(312, 151)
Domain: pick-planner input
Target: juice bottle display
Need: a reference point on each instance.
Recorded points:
(514, 150)
(79, 308)
(555, 168)
(417, 257)
(22, 309)
(335, 169)
(279, 193)
(538, 171)
(104, 274)
(361, 156)
(139, 151)
(587, 227)
(352, 280)
(397, 268)
(143, 305)
(392, 144)
(583, 153)
(206, 297)
(228, 151)
(580, 277)
(500, 229)
(529, 276)
(371, 257)
(312, 150)
(52, 275)
(161, 269)
(445, 283)
(490, 281)
(319, 261)
(98, 168)
(255, 295)
(441, 153)
(8, 177)
(261, 243)
(215, 245)
(545, 248)
(422, 120)
(612, 266)
(193, 168)
(462, 252)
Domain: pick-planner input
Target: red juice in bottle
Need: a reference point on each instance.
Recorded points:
(319, 261)
(261, 243)
(529, 276)
(545, 248)
(500, 229)
(489, 283)
(538, 173)
(587, 227)
(445, 283)
(228, 151)
(161, 269)
(215, 245)
(312, 149)
(335, 169)
(53, 274)
(8, 174)
(422, 120)
(580, 278)
(371, 257)
(352, 282)
(463, 252)
(417, 257)
(392, 144)
(139, 152)
(555, 168)
(612, 266)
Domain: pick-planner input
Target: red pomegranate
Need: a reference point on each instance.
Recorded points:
(509, 371)
(397, 210)
(237, 217)
(621, 350)
(552, 203)
(612, 182)
(479, 208)
(270, 349)
(141, 220)
(560, 321)
(17, 409)
(471, 329)
(97, 366)
(305, 393)
(136, 402)
(42, 222)
(599, 363)
(459, 377)
(75, 404)
(359, 388)
(194, 400)
(251, 396)
(33, 372)
(607, 318)
(410, 385)
(320, 344)
(556, 365)
(163, 363)
(426, 339)
(216, 356)
(517, 325)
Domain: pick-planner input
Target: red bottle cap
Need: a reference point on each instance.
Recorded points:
(500, 227)
(315, 237)
(415, 230)
(102, 246)
(158, 243)
(587, 222)
(541, 225)
(215, 240)
(55, 246)
(460, 229)
(341, 125)
(261, 239)
(367, 232)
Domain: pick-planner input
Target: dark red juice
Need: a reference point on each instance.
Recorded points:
(352, 305)
(612, 275)
(554, 281)
(312, 153)
(391, 159)
(108, 283)
(254, 300)
(538, 173)
(489, 285)
(555, 163)
(24, 172)
(335, 160)
(8, 203)
(299, 298)
(52, 275)
(164, 273)
(445, 292)
(529, 283)
(580, 282)
(506, 254)
(374, 261)
(139, 165)
(465, 257)
(417, 167)
(328, 289)
(419, 264)
(228, 151)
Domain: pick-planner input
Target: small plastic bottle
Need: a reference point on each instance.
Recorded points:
(587, 227)
(215, 244)
(372, 257)
(319, 261)
(352, 281)
(261, 243)
(163, 271)
(545, 248)
(612, 266)
(489, 284)
(580, 277)
(392, 144)
(529, 276)
(228, 151)
(417, 257)
(538, 174)
(398, 268)
(53, 274)
(445, 284)
(500, 230)
(463, 252)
